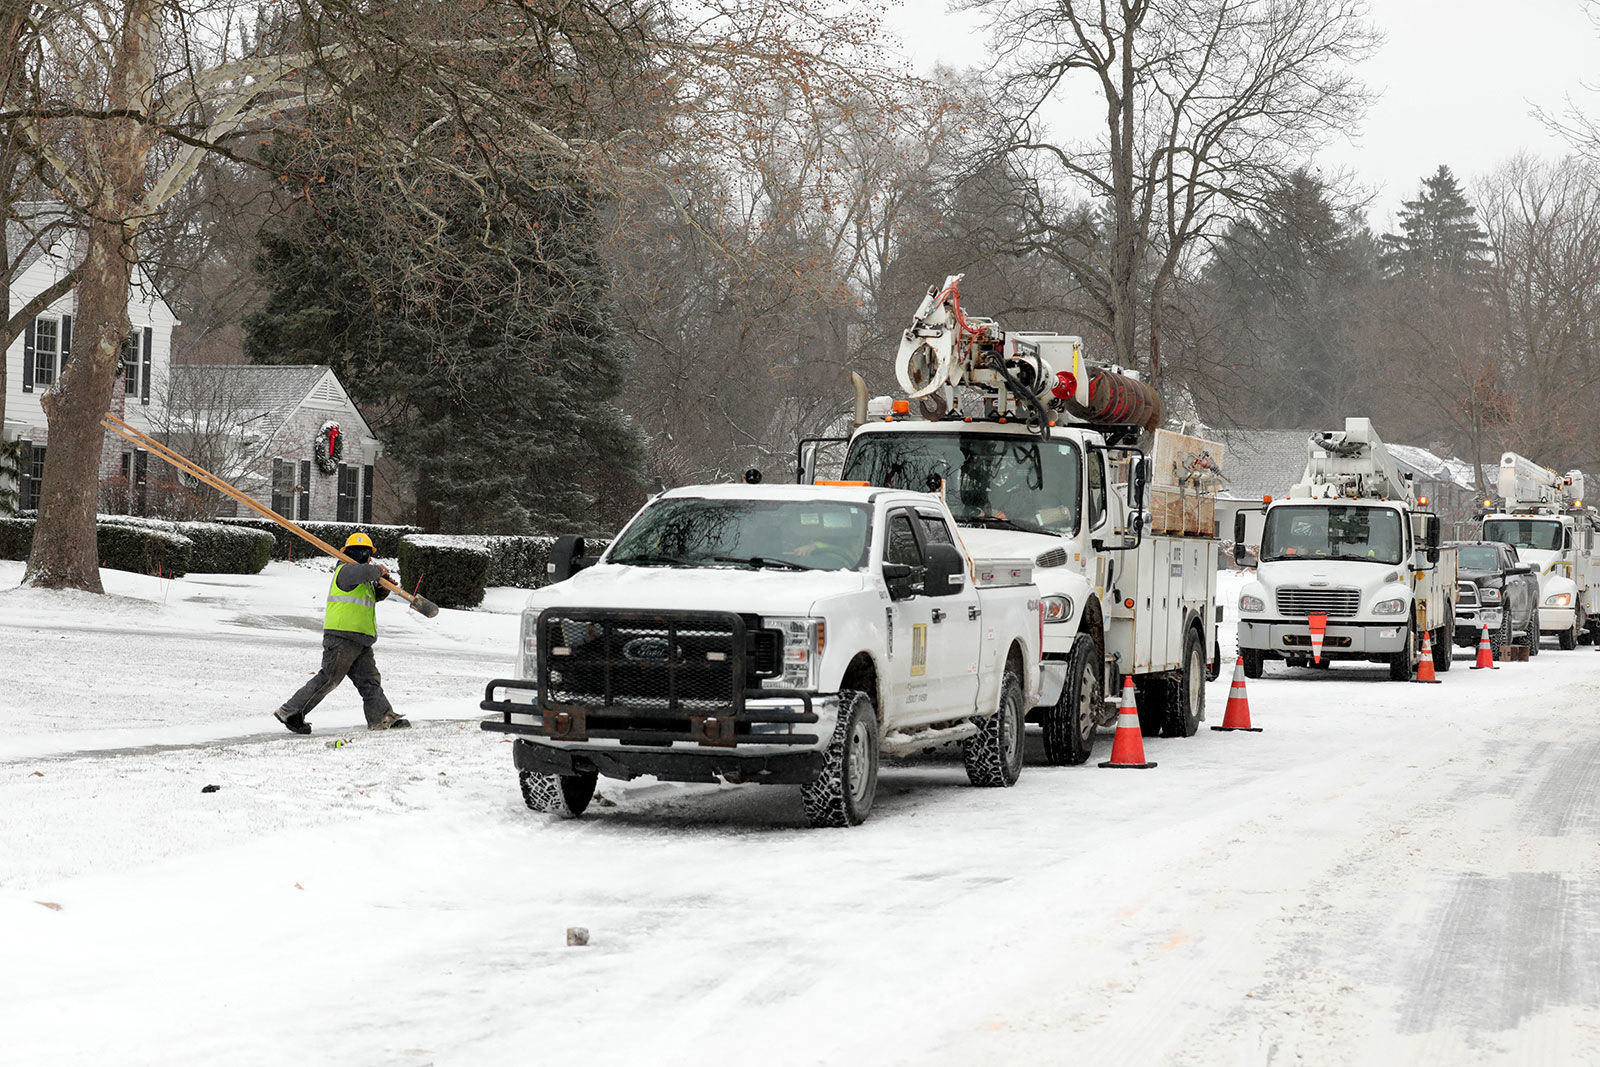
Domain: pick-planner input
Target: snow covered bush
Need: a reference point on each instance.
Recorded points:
(385, 539)
(453, 570)
(143, 549)
(220, 549)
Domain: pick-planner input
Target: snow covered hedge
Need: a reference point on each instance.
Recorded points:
(218, 549)
(143, 545)
(517, 562)
(453, 571)
(385, 539)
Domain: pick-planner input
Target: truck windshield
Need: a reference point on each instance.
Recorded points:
(1479, 558)
(1543, 535)
(989, 479)
(807, 535)
(1332, 532)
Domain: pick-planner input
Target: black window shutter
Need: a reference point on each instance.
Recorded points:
(27, 358)
(278, 486)
(141, 472)
(305, 489)
(24, 483)
(366, 493)
(144, 372)
(66, 339)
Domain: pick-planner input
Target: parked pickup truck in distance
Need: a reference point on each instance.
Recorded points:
(1499, 591)
(772, 634)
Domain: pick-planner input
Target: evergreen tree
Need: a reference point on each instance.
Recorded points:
(1439, 234)
(481, 342)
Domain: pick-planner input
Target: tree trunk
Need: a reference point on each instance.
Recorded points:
(64, 554)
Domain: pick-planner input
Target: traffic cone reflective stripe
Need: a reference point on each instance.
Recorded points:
(1127, 744)
(1425, 668)
(1485, 652)
(1319, 627)
(1237, 714)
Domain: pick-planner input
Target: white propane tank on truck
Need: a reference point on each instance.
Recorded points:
(1351, 552)
(1545, 517)
(1036, 452)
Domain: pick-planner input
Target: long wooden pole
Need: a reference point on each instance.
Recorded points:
(421, 603)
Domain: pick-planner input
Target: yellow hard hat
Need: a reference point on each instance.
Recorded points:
(358, 540)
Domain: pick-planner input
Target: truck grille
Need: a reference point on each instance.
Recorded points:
(1335, 603)
(693, 662)
(1468, 594)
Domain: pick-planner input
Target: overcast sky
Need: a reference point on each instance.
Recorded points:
(1458, 83)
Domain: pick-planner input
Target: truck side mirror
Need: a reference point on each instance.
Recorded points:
(1138, 480)
(901, 579)
(566, 559)
(943, 575)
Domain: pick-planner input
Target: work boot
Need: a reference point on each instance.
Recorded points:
(294, 720)
(390, 721)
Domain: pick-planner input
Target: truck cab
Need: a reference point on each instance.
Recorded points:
(1545, 519)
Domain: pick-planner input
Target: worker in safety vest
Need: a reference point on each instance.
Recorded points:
(349, 630)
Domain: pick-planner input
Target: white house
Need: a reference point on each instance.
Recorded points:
(34, 361)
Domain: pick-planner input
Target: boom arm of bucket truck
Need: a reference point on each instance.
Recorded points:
(1526, 484)
(1352, 462)
(1021, 374)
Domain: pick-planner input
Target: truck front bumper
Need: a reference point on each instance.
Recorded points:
(1471, 621)
(1286, 638)
(1555, 620)
(778, 738)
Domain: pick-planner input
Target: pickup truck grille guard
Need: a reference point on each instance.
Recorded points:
(647, 678)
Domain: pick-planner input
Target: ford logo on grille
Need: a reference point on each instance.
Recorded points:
(647, 648)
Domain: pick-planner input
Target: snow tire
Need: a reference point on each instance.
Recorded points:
(842, 794)
(1069, 724)
(1533, 634)
(994, 756)
(1254, 662)
(1500, 638)
(1567, 640)
(1403, 664)
(1186, 693)
(566, 795)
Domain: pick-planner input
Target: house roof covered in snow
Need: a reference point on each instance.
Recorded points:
(1259, 463)
(41, 225)
(258, 398)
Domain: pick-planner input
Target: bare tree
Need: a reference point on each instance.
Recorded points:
(1207, 105)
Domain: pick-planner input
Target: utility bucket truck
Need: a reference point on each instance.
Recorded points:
(1036, 453)
(1351, 565)
(1545, 517)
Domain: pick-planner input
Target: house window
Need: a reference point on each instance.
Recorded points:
(32, 478)
(283, 487)
(349, 492)
(130, 364)
(46, 349)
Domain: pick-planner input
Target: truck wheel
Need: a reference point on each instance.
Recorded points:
(1254, 662)
(1533, 634)
(842, 794)
(1186, 694)
(566, 795)
(1403, 663)
(1567, 640)
(1444, 649)
(1501, 637)
(1215, 670)
(994, 756)
(1069, 723)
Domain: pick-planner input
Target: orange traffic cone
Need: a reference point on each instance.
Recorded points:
(1127, 744)
(1319, 627)
(1236, 716)
(1425, 668)
(1485, 652)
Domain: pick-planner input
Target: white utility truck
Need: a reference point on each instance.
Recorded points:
(1036, 452)
(779, 634)
(1545, 517)
(1353, 549)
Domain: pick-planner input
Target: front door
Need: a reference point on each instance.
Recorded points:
(913, 680)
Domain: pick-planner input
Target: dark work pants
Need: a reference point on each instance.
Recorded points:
(341, 658)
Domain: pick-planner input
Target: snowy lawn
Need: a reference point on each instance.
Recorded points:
(1387, 874)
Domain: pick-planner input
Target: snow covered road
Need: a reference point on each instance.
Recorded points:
(1387, 874)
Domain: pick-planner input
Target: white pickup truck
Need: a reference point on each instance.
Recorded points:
(778, 634)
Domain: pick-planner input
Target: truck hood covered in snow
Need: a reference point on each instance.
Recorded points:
(761, 592)
(985, 543)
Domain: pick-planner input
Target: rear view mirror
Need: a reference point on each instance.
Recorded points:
(566, 559)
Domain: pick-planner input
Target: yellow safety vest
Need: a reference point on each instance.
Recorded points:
(354, 611)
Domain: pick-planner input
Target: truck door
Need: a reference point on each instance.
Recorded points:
(958, 629)
(913, 685)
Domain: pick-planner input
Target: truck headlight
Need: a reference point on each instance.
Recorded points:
(1252, 603)
(800, 658)
(1489, 596)
(1558, 600)
(528, 650)
(1389, 607)
(1057, 608)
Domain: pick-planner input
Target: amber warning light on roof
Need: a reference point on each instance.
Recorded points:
(824, 481)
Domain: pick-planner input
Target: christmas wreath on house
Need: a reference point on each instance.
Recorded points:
(329, 447)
